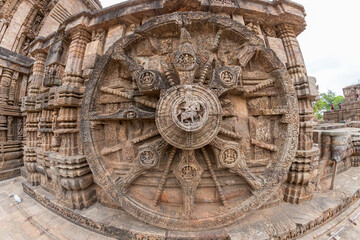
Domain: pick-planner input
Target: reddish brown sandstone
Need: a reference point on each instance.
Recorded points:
(187, 115)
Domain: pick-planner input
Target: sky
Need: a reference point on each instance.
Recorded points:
(330, 44)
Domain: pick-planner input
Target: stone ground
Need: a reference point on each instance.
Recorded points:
(29, 220)
(26, 220)
(340, 227)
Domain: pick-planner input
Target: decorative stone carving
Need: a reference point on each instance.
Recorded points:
(149, 81)
(35, 27)
(169, 129)
(5, 83)
(148, 158)
(224, 2)
(196, 113)
(25, 47)
(269, 31)
(98, 35)
(300, 185)
(254, 27)
(229, 157)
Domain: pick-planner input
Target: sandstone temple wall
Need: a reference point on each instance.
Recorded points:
(351, 107)
(21, 22)
(47, 64)
(337, 142)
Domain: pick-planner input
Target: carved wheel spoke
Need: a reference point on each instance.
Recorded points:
(148, 158)
(129, 96)
(213, 175)
(188, 172)
(244, 172)
(129, 114)
(124, 182)
(163, 177)
(219, 105)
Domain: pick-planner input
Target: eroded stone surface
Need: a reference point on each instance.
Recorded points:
(314, 219)
(195, 114)
(194, 143)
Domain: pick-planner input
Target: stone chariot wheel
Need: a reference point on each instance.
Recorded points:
(190, 122)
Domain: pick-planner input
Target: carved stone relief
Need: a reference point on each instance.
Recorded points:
(173, 141)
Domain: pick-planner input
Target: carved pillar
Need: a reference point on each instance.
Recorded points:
(70, 166)
(5, 85)
(73, 69)
(94, 50)
(31, 128)
(355, 152)
(10, 128)
(45, 135)
(38, 73)
(295, 63)
(68, 131)
(73, 80)
(13, 88)
(3, 128)
(32, 119)
(300, 186)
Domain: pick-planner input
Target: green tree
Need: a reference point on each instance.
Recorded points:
(325, 102)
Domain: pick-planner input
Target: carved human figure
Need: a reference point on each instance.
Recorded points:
(130, 115)
(20, 129)
(25, 48)
(147, 79)
(188, 172)
(186, 59)
(230, 156)
(35, 26)
(227, 77)
(147, 158)
(55, 140)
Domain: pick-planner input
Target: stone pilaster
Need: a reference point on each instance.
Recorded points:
(32, 119)
(10, 128)
(5, 85)
(13, 88)
(73, 69)
(94, 50)
(300, 185)
(10, 147)
(38, 73)
(3, 128)
(72, 90)
(69, 164)
(42, 151)
(295, 64)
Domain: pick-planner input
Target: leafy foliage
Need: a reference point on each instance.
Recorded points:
(325, 102)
